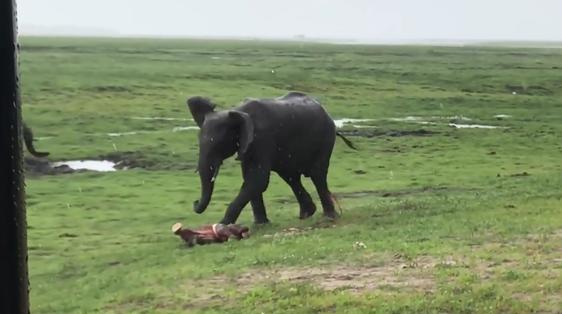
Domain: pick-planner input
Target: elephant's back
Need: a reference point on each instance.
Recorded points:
(297, 129)
(291, 116)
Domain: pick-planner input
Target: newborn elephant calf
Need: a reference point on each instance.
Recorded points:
(292, 135)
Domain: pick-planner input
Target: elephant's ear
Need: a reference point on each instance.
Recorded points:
(246, 135)
(199, 107)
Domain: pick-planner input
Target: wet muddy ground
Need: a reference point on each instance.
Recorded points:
(104, 163)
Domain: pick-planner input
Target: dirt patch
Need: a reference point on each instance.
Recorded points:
(111, 89)
(396, 193)
(42, 166)
(129, 160)
(368, 133)
(289, 232)
(354, 279)
(522, 174)
(132, 160)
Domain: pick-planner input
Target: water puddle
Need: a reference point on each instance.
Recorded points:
(122, 134)
(502, 116)
(175, 129)
(474, 126)
(184, 128)
(93, 165)
(406, 119)
(340, 122)
(42, 138)
(161, 118)
(461, 118)
(423, 120)
(357, 126)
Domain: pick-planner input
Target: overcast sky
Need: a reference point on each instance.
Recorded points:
(352, 19)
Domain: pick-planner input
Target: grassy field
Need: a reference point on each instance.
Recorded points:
(435, 218)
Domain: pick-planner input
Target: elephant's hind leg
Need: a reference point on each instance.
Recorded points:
(320, 182)
(307, 207)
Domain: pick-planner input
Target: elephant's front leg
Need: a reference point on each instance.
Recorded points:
(256, 180)
(260, 216)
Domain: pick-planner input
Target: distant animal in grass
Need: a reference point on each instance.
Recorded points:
(28, 140)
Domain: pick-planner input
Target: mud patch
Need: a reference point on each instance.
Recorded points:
(111, 89)
(129, 160)
(290, 232)
(369, 133)
(138, 160)
(40, 166)
(117, 160)
(521, 174)
(395, 193)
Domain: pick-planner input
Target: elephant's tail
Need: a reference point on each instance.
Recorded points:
(28, 139)
(346, 141)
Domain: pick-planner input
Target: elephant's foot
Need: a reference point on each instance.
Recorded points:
(262, 221)
(308, 212)
(227, 221)
(331, 215)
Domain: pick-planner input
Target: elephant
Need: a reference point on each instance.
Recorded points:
(292, 135)
(28, 140)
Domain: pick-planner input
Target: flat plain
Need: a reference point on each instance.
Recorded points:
(452, 204)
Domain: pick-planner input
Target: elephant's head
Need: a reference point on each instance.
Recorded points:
(222, 133)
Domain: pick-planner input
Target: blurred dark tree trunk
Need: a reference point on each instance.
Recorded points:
(13, 242)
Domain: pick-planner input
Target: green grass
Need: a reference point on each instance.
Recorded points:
(446, 210)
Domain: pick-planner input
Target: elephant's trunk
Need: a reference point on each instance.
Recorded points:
(208, 174)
